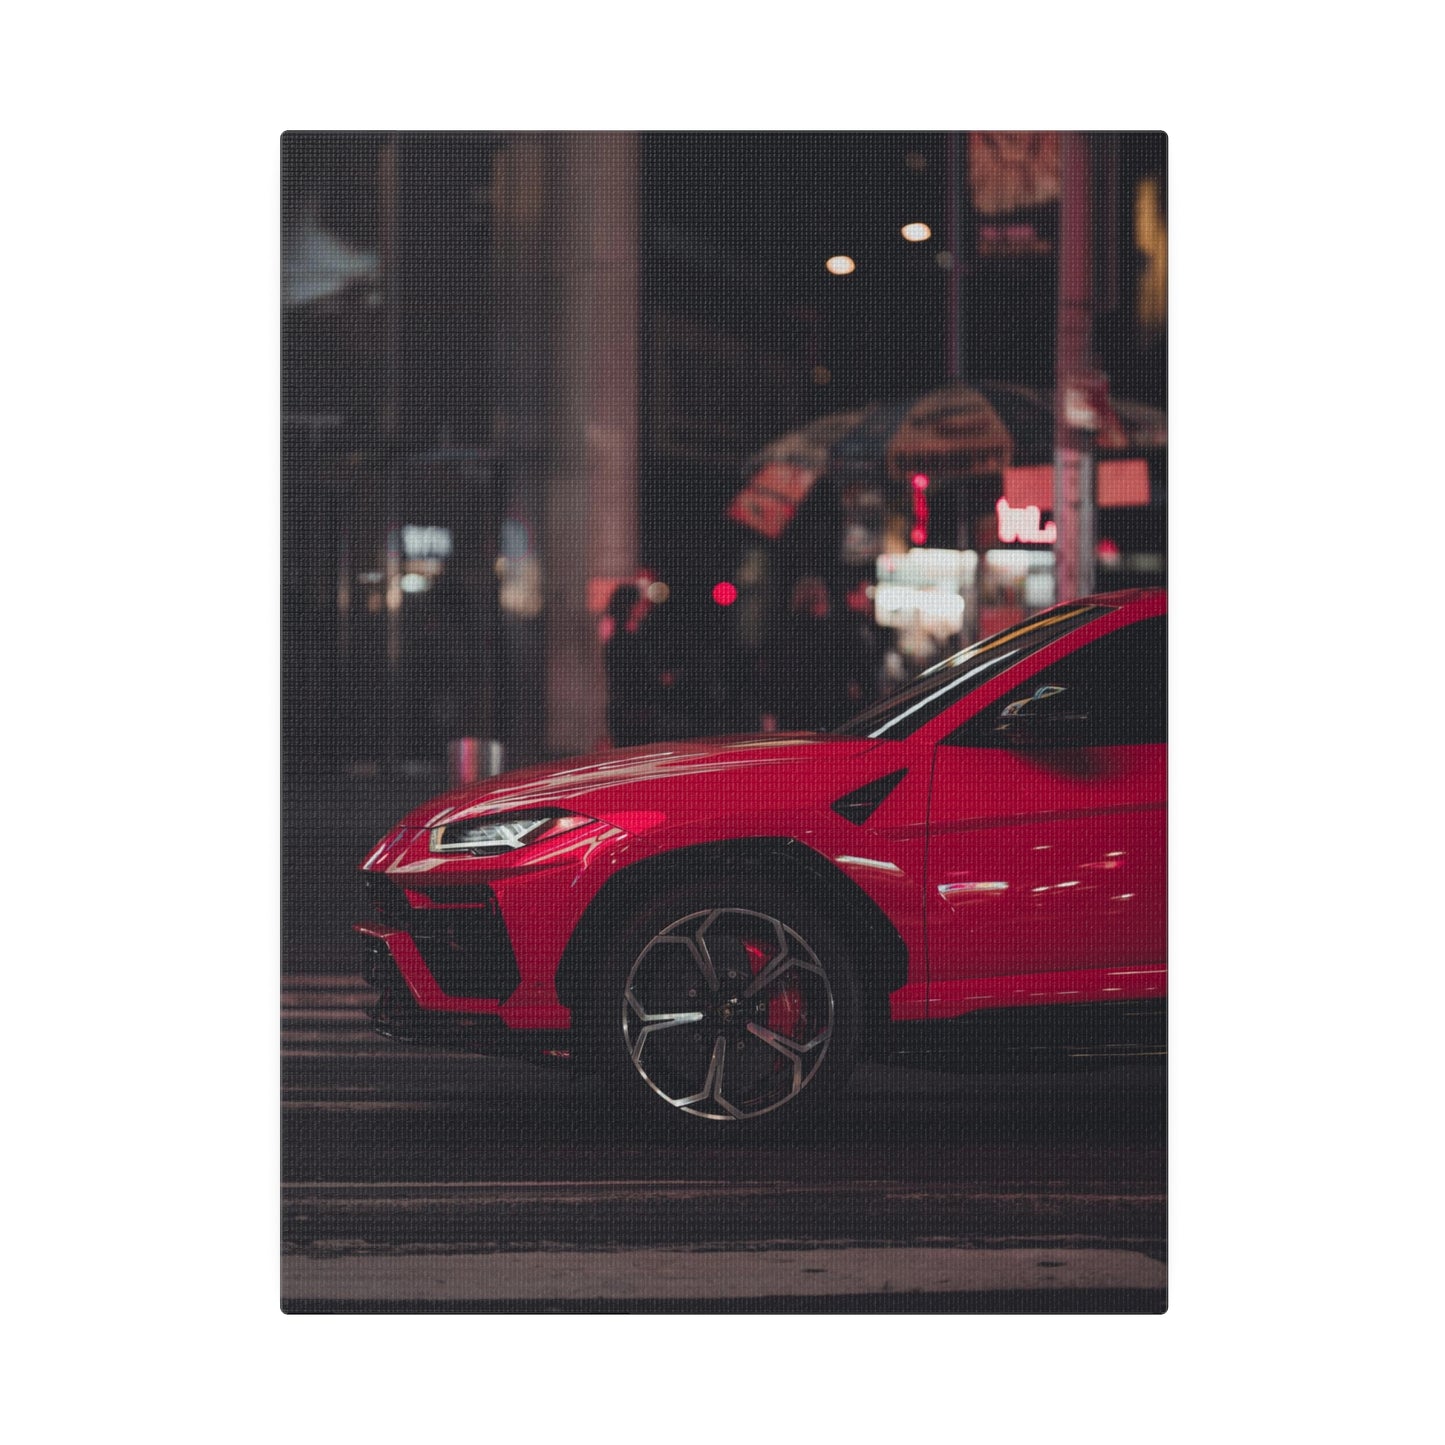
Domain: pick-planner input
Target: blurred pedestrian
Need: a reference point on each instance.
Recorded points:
(676, 635)
(816, 673)
(625, 656)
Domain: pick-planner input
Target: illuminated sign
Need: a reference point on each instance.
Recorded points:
(1015, 240)
(1151, 239)
(919, 535)
(1013, 170)
(919, 590)
(772, 495)
(1119, 482)
(1023, 524)
(426, 541)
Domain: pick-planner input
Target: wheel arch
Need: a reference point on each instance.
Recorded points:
(882, 967)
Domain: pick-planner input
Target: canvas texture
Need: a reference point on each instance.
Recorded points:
(724, 684)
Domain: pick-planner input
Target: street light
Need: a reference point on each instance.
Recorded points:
(840, 265)
(916, 231)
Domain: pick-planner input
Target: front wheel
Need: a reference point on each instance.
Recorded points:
(725, 1004)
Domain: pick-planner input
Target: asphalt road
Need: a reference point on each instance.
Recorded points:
(420, 1181)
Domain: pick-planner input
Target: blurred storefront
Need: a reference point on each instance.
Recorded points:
(392, 624)
(459, 452)
(898, 503)
(934, 513)
(520, 369)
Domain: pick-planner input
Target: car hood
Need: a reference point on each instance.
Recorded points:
(678, 778)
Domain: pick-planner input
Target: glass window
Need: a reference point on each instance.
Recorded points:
(1116, 682)
(921, 700)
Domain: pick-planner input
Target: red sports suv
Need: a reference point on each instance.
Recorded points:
(973, 869)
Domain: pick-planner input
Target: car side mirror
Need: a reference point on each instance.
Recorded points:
(1054, 717)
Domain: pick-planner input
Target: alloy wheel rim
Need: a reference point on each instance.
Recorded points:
(727, 1014)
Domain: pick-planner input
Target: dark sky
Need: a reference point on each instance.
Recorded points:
(759, 213)
(740, 225)
(736, 228)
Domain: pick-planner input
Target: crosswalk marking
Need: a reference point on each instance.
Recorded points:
(326, 1013)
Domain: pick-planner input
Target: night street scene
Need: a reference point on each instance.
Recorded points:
(724, 625)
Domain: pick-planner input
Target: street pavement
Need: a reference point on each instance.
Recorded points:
(418, 1181)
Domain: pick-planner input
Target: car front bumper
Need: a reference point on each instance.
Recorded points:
(460, 943)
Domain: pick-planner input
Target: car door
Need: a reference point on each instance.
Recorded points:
(1046, 851)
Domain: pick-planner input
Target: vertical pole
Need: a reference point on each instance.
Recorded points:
(968, 530)
(1073, 440)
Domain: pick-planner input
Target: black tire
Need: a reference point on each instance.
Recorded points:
(776, 1037)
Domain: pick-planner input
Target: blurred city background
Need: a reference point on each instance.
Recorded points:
(597, 439)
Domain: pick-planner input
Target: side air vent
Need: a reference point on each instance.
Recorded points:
(860, 805)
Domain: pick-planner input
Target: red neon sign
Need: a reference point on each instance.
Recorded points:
(919, 535)
(1023, 524)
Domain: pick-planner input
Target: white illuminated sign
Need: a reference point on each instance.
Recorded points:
(426, 541)
(1023, 524)
(920, 589)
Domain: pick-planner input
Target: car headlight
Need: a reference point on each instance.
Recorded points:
(487, 837)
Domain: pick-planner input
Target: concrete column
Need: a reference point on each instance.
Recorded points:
(592, 485)
(565, 389)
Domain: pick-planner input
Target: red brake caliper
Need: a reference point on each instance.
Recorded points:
(785, 1006)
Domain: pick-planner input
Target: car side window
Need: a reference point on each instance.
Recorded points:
(1116, 683)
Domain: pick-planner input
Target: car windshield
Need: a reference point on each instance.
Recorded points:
(918, 702)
